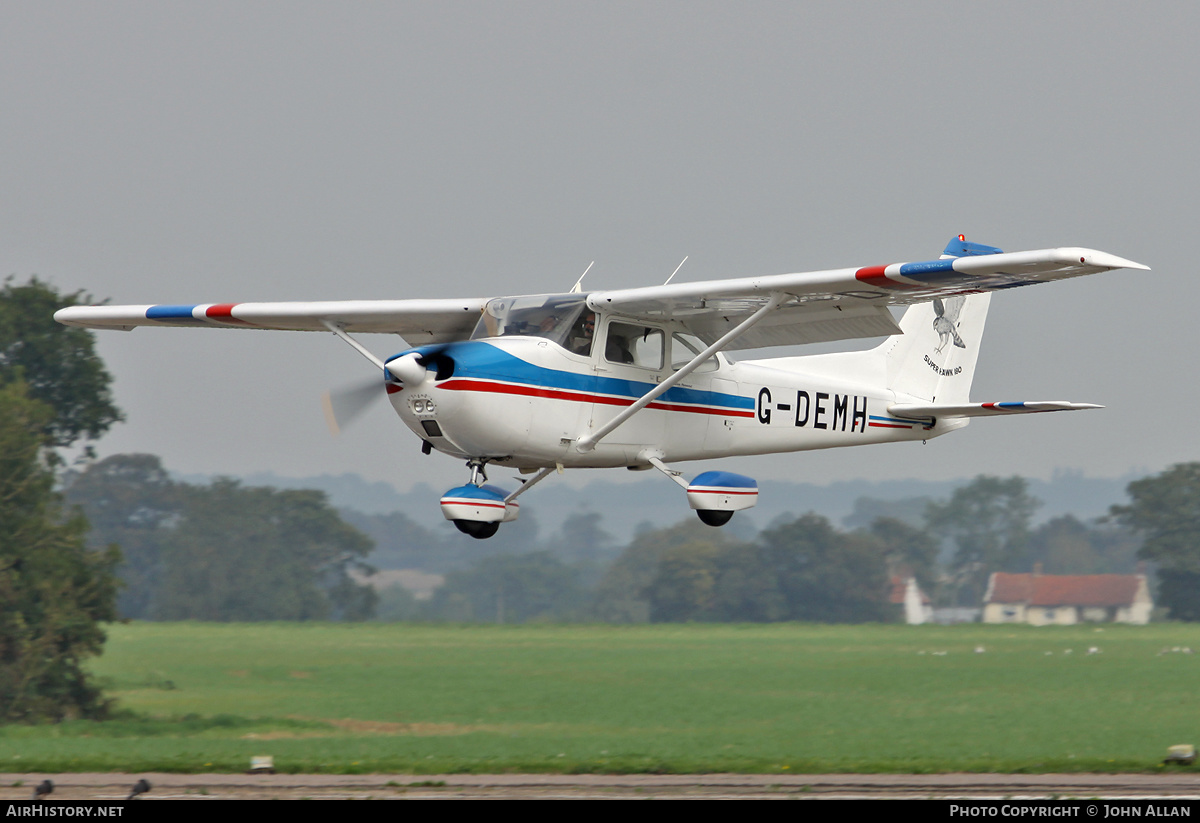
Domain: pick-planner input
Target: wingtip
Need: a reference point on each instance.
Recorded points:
(1061, 405)
(1109, 261)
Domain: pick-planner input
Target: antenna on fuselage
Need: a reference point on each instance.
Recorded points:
(578, 287)
(677, 268)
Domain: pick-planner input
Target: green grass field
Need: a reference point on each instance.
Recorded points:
(682, 698)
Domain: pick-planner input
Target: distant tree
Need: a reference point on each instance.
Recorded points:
(581, 539)
(510, 589)
(908, 510)
(1165, 511)
(987, 520)
(54, 592)
(222, 551)
(1067, 545)
(623, 594)
(402, 543)
(58, 363)
(800, 569)
(685, 583)
(826, 576)
(907, 550)
(258, 553)
(130, 500)
(747, 589)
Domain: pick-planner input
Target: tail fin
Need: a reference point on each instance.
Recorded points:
(934, 358)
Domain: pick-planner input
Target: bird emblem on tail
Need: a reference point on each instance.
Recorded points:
(946, 321)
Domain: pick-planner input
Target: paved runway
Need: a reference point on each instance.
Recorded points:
(94, 786)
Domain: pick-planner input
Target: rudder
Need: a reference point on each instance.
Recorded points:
(934, 359)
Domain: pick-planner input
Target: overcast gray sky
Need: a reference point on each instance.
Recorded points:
(203, 152)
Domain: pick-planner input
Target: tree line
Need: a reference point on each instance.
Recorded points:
(224, 551)
(114, 538)
(798, 568)
(221, 551)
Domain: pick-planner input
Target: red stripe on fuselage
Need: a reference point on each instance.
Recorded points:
(466, 384)
(698, 410)
(889, 426)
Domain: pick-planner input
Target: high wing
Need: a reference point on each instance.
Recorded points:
(842, 304)
(417, 321)
(812, 307)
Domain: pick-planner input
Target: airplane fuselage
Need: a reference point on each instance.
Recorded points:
(525, 402)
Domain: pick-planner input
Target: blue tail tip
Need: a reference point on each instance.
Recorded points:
(960, 247)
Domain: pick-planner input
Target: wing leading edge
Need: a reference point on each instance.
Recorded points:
(417, 321)
(842, 304)
(839, 304)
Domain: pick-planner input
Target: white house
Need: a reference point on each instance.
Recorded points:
(917, 606)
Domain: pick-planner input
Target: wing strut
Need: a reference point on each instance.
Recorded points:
(588, 442)
(529, 484)
(359, 347)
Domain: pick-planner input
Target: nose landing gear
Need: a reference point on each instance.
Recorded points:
(477, 509)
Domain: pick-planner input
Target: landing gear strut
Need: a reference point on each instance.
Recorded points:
(478, 470)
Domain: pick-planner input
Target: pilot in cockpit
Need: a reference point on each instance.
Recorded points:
(583, 334)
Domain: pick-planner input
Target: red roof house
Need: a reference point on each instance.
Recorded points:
(1053, 599)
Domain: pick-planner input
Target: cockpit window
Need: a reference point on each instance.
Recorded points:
(553, 317)
(684, 348)
(634, 345)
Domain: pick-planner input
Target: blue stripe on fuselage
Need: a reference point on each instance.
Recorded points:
(480, 360)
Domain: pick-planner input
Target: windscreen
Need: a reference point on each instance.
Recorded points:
(550, 316)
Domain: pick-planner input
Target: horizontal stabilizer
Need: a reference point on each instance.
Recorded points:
(927, 410)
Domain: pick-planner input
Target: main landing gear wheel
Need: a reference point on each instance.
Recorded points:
(477, 529)
(713, 517)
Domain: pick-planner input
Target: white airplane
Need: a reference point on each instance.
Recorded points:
(638, 378)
